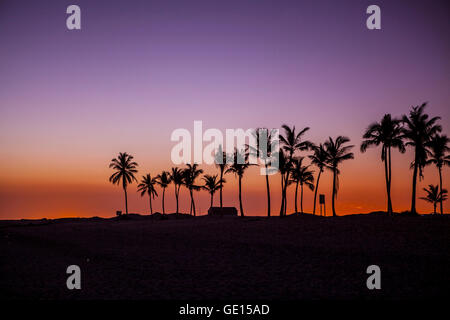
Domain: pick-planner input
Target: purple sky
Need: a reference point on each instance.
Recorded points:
(70, 100)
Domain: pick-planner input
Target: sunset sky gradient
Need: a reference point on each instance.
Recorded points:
(70, 101)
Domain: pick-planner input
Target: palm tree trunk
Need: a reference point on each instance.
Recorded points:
(386, 176)
(150, 203)
(211, 199)
(192, 201)
(390, 209)
(221, 186)
(282, 195)
(315, 191)
(301, 198)
(414, 183)
(334, 192)
(286, 180)
(240, 196)
(176, 197)
(295, 200)
(126, 199)
(164, 191)
(285, 192)
(151, 209)
(440, 189)
(268, 192)
(434, 205)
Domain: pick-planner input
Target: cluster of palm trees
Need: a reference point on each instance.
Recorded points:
(328, 155)
(416, 130)
(188, 177)
(420, 132)
(179, 177)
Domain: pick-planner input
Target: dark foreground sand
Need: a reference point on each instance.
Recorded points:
(227, 258)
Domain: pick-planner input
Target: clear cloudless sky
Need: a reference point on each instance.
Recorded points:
(70, 101)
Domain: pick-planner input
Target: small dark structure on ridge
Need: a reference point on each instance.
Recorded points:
(224, 211)
(322, 204)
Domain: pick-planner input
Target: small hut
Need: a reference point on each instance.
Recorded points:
(224, 211)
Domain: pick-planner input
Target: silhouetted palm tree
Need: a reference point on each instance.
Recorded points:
(301, 174)
(318, 158)
(164, 180)
(221, 160)
(211, 185)
(238, 167)
(291, 142)
(190, 174)
(337, 153)
(389, 134)
(434, 196)
(125, 170)
(176, 176)
(438, 156)
(147, 185)
(264, 150)
(418, 131)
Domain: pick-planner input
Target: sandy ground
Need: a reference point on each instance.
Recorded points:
(287, 258)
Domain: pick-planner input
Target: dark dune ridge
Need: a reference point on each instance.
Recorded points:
(295, 257)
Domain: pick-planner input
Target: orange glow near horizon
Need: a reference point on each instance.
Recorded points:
(68, 194)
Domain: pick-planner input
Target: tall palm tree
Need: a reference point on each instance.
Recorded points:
(434, 195)
(238, 167)
(221, 160)
(301, 175)
(337, 152)
(125, 169)
(291, 142)
(319, 159)
(418, 130)
(147, 185)
(190, 174)
(164, 180)
(211, 185)
(265, 146)
(176, 175)
(388, 133)
(438, 156)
